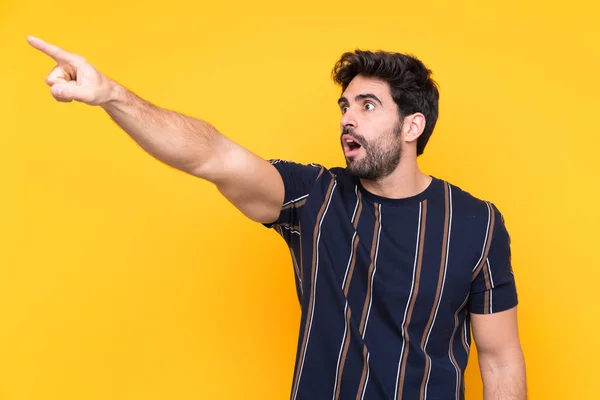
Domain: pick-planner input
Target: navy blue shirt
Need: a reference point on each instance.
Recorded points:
(386, 285)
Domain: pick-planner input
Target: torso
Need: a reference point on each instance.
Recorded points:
(383, 285)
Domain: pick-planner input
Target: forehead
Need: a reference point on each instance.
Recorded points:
(362, 84)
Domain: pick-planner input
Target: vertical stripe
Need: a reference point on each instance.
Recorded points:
(439, 290)
(369, 296)
(295, 262)
(373, 267)
(489, 285)
(410, 304)
(465, 336)
(487, 303)
(359, 200)
(313, 282)
(485, 239)
(345, 286)
(451, 348)
(362, 395)
(351, 265)
(363, 377)
(489, 268)
(301, 249)
(357, 207)
(487, 243)
(343, 353)
(355, 240)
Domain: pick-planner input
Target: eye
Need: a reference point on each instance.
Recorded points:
(344, 109)
(369, 106)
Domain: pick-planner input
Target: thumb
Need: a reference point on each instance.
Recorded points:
(64, 92)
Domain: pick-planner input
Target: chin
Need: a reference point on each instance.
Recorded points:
(350, 162)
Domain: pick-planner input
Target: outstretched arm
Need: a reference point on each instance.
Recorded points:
(194, 146)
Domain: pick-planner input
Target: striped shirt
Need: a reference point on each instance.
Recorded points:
(386, 285)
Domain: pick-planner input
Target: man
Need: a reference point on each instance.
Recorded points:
(393, 267)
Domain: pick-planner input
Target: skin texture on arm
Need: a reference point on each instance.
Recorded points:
(191, 145)
(249, 182)
(501, 360)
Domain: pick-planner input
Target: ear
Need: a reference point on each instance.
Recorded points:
(413, 127)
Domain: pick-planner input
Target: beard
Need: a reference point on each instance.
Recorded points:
(382, 155)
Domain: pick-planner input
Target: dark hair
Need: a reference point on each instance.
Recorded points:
(412, 87)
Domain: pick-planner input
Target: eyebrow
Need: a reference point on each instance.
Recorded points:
(361, 97)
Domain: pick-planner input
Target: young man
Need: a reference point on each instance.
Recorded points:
(393, 267)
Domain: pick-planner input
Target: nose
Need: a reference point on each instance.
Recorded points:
(348, 119)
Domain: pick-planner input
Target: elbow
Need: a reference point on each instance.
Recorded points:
(503, 367)
(207, 158)
(495, 359)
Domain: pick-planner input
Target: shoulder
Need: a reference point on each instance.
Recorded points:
(291, 170)
(479, 220)
(473, 208)
(337, 172)
(303, 178)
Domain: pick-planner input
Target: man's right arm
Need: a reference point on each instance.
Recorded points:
(249, 182)
(194, 146)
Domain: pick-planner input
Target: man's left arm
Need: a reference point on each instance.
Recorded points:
(493, 313)
(501, 360)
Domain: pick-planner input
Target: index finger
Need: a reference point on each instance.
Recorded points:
(59, 55)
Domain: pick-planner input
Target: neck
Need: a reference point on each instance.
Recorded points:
(407, 180)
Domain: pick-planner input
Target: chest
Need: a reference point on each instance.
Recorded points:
(396, 250)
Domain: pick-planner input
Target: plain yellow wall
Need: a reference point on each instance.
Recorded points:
(121, 278)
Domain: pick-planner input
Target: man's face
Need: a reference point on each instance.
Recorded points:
(370, 128)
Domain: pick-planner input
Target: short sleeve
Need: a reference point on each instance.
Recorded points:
(493, 287)
(298, 179)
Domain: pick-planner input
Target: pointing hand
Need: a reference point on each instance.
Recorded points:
(74, 78)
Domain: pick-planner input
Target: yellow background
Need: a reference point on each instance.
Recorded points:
(121, 278)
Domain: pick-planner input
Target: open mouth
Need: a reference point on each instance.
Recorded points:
(351, 146)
